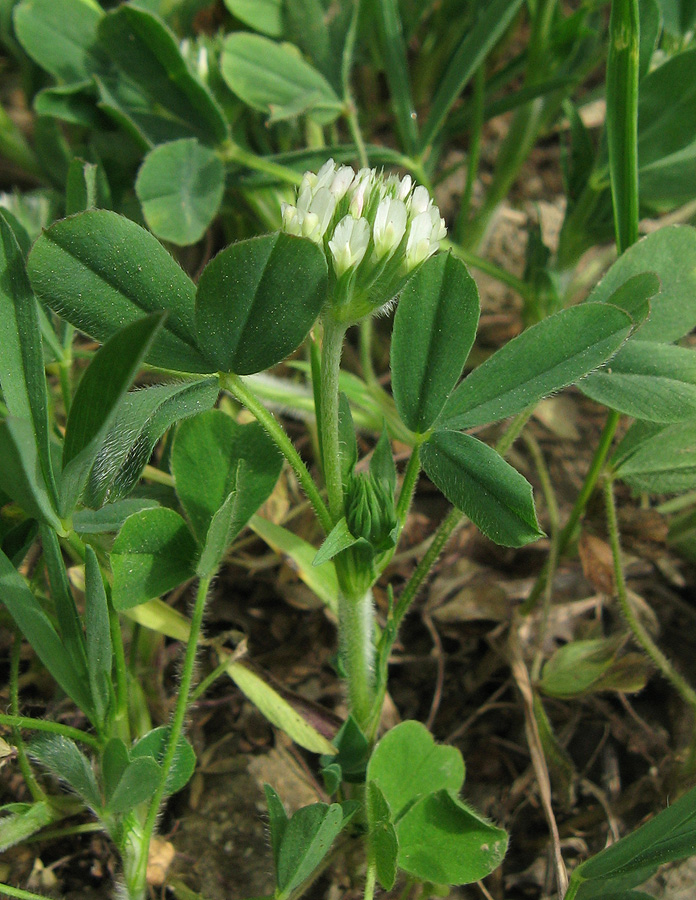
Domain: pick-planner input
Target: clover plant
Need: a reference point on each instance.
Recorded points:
(100, 519)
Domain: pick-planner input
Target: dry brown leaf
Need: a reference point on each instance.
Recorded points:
(597, 563)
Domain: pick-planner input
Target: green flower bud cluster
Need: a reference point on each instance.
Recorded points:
(375, 231)
(370, 513)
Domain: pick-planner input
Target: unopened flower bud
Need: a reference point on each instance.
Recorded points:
(370, 511)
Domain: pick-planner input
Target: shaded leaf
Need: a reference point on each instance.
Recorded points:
(63, 759)
(180, 187)
(275, 79)
(153, 553)
(154, 746)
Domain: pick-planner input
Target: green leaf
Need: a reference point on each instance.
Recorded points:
(382, 464)
(434, 328)
(100, 271)
(216, 438)
(37, 628)
(114, 759)
(347, 437)
(277, 709)
(147, 56)
(140, 421)
(180, 187)
(396, 69)
(60, 35)
(662, 463)
(666, 144)
(262, 15)
(22, 376)
(153, 553)
(322, 581)
(67, 617)
(154, 745)
(478, 42)
(86, 187)
(73, 103)
(338, 539)
(670, 253)
(353, 753)
(634, 297)
(308, 838)
(383, 842)
(21, 824)
(622, 119)
(257, 300)
(97, 635)
(136, 785)
(545, 358)
(669, 836)
(63, 759)
(407, 764)
(647, 380)
(443, 841)
(479, 482)
(110, 518)
(277, 820)
(275, 79)
(103, 386)
(580, 667)
(21, 474)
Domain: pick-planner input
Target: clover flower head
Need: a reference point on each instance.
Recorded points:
(374, 229)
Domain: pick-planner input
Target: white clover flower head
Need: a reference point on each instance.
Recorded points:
(375, 230)
(349, 243)
(389, 226)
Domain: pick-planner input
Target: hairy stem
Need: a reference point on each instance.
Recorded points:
(331, 349)
(235, 385)
(137, 879)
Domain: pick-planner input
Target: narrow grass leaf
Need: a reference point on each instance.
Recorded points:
(97, 635)
(21, 474)
(487, 30)
(22, 376)
(301, 554)
(396, 68)
(277, 709)
(38, 629)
